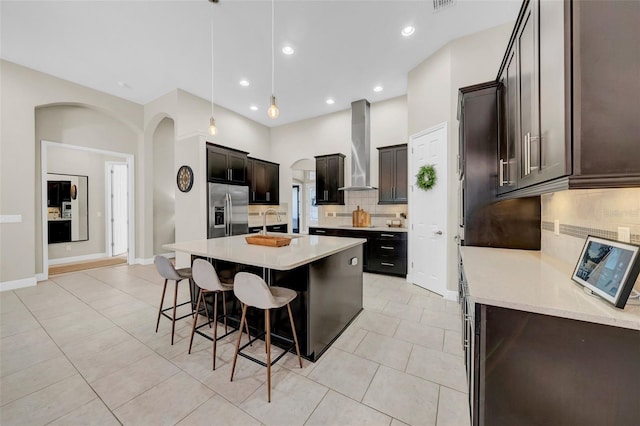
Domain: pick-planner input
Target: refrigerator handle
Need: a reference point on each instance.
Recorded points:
(230, 215)
(227, 217)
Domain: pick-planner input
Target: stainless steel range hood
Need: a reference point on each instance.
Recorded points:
(360, 147)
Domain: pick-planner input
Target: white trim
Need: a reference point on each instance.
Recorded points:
(451, 295)
(10, 218)
(128, 158)
(42, 277)
(64, 260)
(430, 130)
(16, 284)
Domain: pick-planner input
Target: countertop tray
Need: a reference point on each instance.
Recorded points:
(268, 240)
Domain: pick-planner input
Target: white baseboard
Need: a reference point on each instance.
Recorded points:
(77, 258)
(16, 284)
(42, 277)
(149, 261)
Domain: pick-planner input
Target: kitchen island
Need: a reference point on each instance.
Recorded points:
(326, 273)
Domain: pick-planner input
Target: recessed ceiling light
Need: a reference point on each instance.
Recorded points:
(253, 108)
(378, 89)
(244, 83)
(407, 31)
(288, 50)
(330, 101)
(124, 84)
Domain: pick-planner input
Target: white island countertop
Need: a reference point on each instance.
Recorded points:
(534, 282)
(302, 250)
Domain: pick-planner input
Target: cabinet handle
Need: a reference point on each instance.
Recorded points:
(387, 248)
(276, 228)
(319, 231)
(527, 153)
(387, 235)
(393, 193)
(326, 194)
(254, 195)
(502, 164)
(466, 343)
(268, 196)
(387, 264)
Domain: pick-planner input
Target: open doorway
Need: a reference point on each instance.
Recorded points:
(117, 208)
(295, 209)
(304, 212)
(60, 254)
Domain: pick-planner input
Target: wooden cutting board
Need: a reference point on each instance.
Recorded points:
(360, 218)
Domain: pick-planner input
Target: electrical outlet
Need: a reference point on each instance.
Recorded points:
(556, 227)
(624, 234)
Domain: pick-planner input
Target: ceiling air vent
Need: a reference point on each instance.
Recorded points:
(439, 5)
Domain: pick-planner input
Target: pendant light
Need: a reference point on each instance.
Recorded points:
(272, 112)
(212, 121)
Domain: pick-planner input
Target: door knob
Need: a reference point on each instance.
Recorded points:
(438, 232)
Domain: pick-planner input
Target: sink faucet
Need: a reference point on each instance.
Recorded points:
(264, 219)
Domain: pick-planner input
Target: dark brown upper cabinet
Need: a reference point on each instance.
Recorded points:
(329, 177)
(226, 165)
(263, 178)
(392, 175)
(569, 98)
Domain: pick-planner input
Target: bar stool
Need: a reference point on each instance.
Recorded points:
(253, 291)
(207, 280)
(168, 272)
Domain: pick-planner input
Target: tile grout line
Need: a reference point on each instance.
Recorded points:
(70, 362)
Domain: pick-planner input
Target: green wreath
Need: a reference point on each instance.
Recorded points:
(426, 177)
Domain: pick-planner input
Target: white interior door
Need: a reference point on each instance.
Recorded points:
(428, 211)
(118, 209)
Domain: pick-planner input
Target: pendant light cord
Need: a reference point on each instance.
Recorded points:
(212, 59)
(273, 79)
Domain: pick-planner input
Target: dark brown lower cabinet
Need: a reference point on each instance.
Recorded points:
(534, 369)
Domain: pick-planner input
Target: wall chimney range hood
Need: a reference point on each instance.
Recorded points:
(360, 147)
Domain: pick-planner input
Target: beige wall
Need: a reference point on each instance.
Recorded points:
(593, 209)
(432, 96)
(164, 226)
(330, 134)
(22, 91)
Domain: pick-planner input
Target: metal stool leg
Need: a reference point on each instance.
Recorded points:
(195, 321)
(215, 326)
(295, 335)
(267, 320)
(164, 289)
(173, 320)
(235, 357)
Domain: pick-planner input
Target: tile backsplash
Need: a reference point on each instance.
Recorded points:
(255, 214)
(587, 211)
(368, 201)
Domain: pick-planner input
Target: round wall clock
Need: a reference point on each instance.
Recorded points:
(185, 178)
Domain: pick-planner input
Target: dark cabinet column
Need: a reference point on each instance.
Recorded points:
(393, 175)
(226, 165)
(264, 182)
(329, 177)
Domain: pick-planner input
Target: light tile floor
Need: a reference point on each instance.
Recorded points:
(81, 349)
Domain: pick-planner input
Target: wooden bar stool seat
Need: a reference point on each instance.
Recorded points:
(253, 291)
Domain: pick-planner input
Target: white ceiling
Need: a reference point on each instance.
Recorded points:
(342, 48)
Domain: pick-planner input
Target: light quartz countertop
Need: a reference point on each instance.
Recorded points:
(302, 250)
(535, 282)
(360, 228)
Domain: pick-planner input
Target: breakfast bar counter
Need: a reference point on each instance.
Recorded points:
(325, 272)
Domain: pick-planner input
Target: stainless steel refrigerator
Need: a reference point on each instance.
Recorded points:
(228, 210)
